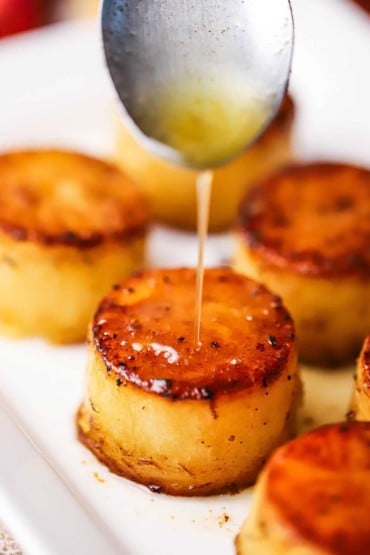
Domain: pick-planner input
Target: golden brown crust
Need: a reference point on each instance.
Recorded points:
(364, 365)
(147, 339)
(360, 403)
(313, 219)
(57, 197)
(318, 488)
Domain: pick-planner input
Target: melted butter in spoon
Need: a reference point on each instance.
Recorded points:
(207, 124)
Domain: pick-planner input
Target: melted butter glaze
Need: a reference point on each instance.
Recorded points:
(313, 218)
(144, 331)
(57, 197)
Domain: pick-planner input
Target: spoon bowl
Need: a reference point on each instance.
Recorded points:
(198, 81)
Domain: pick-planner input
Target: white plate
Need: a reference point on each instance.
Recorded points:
(53, 494)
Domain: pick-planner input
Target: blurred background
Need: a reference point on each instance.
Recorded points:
(17, 16)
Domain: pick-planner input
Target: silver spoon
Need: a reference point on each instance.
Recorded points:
(218, 69)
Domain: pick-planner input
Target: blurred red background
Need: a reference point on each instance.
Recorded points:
(365, 4)
(22, 15)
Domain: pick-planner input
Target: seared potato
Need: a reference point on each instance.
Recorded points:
(305, 233)
(313, 496)
(171, 190)
(70, 227)
(183, 418)
(361, 396)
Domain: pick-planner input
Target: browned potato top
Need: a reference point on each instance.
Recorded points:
(312, 218)
(57, 197)
(319, 485)
(145, 332)
(364, 366)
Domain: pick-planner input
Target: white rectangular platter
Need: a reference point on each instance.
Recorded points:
(56, 498)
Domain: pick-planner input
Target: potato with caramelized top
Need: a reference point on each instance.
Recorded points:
(313, 496)
(70, 227)
(305, 233)
(360, 409)
(172, 191)
(183, 418)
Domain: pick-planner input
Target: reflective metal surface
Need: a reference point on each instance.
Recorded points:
(153, 44)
